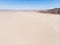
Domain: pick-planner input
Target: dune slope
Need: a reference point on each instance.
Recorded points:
(29, 28)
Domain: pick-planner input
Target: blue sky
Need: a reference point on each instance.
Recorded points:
(29, 4)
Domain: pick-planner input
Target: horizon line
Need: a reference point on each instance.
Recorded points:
(25, 9)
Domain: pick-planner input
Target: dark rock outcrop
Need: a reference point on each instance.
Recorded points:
(52, 11)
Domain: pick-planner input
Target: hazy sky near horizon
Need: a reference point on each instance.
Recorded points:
(29, 4)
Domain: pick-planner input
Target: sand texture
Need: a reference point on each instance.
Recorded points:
(29, 28)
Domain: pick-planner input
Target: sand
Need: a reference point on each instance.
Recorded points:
(29, 28)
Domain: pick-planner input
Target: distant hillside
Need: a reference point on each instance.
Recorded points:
(53, 11)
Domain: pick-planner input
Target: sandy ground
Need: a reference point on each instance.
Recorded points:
(29, 28)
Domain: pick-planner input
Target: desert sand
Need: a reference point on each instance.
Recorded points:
(29, 28)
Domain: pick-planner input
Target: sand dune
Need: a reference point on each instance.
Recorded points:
(29, 28)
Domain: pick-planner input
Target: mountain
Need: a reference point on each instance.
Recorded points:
(52, 11)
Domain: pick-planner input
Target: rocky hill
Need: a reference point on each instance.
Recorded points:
(53, 11)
